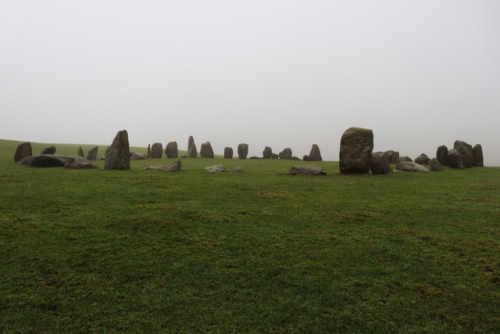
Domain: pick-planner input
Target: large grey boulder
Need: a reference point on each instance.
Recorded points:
(267, 153)
(157, 151)
(215, 169)
(49, 150)
(92, 154)
(119, 153)
(46, 161)
(171, 167)
(477, 156)
(459, 143)
(404, 158)
(307, 170)
(286, 154)
(23, 150)
(206, 150)
(435, 165)
(80, 152)
(408, 166)
(171, 151)
(242, 151)
(454, 160)
(356, 147)
(192, 153)
(315, 154)
(379, 163)
(228, 153)
(442, 155)
(422, 159)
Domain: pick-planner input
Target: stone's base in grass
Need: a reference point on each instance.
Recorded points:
(379, 164)
(137, 156)
(78, 165)
(172, 167)
(435, 165)
(46, 161)
(407, 166)
(215, 169)
(307, 170)
(239, 169)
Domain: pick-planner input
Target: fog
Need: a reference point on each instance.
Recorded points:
(420, 74)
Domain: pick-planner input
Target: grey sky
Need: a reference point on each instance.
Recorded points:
(279, 73)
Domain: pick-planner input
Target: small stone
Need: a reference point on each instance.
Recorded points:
(239, 169)
(215, 169)
(307, 170)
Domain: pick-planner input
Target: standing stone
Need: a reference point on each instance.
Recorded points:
(315, 154)
(80, 152)
(267, 153)
(306, 158)
(206, 150)
(395, 158)
(388, 155)
(157, 150)
(49, 150)
(228, 153)
(356, 148)
(435, 165)
(286, 154)
(192, 153)
(379, 164)
(422, 159)
(171, 150)
(119, 153)
(23, 151)
(442, 154)
(150, 154)
(477, 156)
(92, 154)
(454, 160)
(242, 151)
(465, 155)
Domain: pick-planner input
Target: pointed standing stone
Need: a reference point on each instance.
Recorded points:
(23, 151)
(192, 153)
(119, 153)
(315, 154)
(80, 152)
(92, 154)
(157, 150)
(150, 154)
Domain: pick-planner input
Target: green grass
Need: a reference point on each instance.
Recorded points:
(149, 251)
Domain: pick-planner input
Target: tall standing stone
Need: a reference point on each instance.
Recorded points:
(356, 147)
(171, 150)
(465, 155)
(286, 154)
(267, 153)
(315, 154)
(118, 156)
(23, 150)
(192, 153)
(442, 155)
(242, 151)
(80, 152)
(477, 156)
(157, 150)
(228, 153)
(206, 150)
(92, 154)
(150, 154)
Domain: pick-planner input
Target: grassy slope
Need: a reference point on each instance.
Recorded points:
(263, 252)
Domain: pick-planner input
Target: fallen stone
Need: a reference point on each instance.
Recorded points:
(408, 166)
(215, 169)
(239, 169)
(404, 158)
(171, 167)
(307, 170)
(78, 165)
(137, 156)
(46, 161)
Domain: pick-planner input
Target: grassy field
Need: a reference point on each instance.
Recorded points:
(263, 252)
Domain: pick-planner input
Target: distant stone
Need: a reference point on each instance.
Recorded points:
(306, 158)
(79, 165)
(157, 151)
(239, 169)
(228, 153)
(171, 151)
(46, 161)
(254, 157)
(379, 164)
(171, 167)
(477, 156)
(137, 156)
(422, 159)
(206, 150)
(23, 151)
(192, 153)
(356, 147)
(465, 155)
(184, 156)
(267, 153)
(315, 154)
(80, 152)
(442, 155)
(286, 154)
(92, 154)
(49, 150)
(215, 169)
(119, 153)
(295, 158)
(275, 156)
(307, 170)
(150, 154)
(435, 165)
(388, 155)
(408, 166)
(459, 143)
(242, 151)
(454, 160)
(404, 158)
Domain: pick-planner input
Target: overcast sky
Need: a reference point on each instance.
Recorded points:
(279, 73)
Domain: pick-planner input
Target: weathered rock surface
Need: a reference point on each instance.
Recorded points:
(477, 156)
(392, 156)
(356, 147)
(171, 151)
(228, 153)
(80, 152)
(157, 151)
(454, 160)
(49, 150)
(422, 159)
(404, 158)
(315, 154)
(215, 169)
(442, 155)
(459, 143)
(242, 151)
(465, 155)
(192, 152)
(171, 167)
(150, 154)
(206, 150)
(239, 169)
(307, 170)
(92, 154)
(435, 165)
(118, 156)
(80, 165)
(286, 154)
(275, 156)
(46, 161)
(267, 153)
(137, 156)
(23, 151)
(379, 163)
(408, 166)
